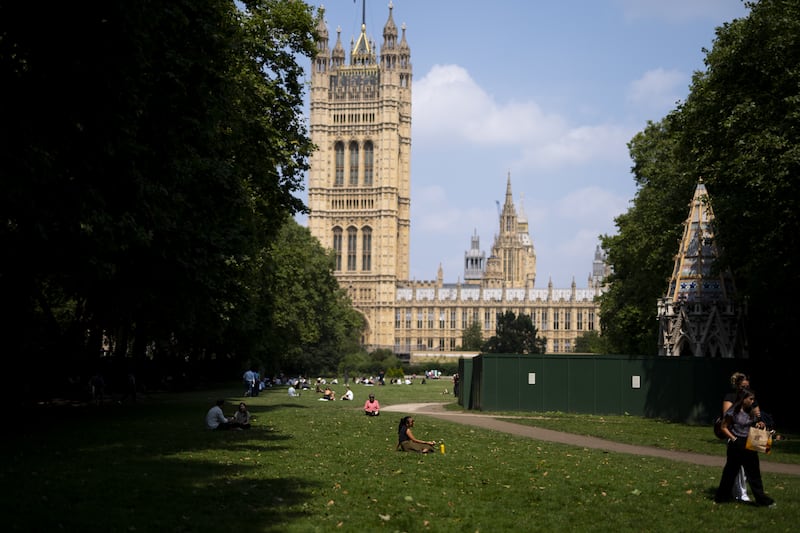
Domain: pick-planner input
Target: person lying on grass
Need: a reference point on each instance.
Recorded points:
(407, 442)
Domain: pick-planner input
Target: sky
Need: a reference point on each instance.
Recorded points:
(548, 92)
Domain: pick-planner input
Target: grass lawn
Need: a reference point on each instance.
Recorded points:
(309, 465)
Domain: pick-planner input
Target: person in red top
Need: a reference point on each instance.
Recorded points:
(372, 407)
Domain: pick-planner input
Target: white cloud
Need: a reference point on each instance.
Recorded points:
(580, 245)
(658, 89)
(578, 146)
(591, 204)
(449, 104)
(432, 211)
(449, 107)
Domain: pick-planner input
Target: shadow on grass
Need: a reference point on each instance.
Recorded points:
(148, 467)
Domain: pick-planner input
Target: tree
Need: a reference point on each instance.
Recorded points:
(590, 342)
(310, 321)
(472, 338)
(741, 123)
(514, 334)
(738, 130)
(149, 157)
(642, 252)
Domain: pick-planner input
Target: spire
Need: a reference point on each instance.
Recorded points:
(337, 56)
(692, 277)
(362, 52)
(322, 30)
(509, 197)
(322, 57)
(508, 218)
(699, 316)
(389, 32)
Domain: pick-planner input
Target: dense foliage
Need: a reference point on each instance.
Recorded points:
(738, 130)
(150, 153)
(472, 337)
(590, 342)
(312, 323)
(514, 334)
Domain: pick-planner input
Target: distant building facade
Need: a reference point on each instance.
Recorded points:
(360, 203)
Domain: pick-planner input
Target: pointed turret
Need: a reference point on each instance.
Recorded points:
(513, 245)
(698, 315)
(323, 57)
(363, 52)
(389, 32)
(338, 54)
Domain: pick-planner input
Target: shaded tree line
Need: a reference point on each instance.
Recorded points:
(151, 154)
(738, 130)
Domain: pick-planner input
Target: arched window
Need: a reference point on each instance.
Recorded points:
(352, 247)
(369, 155)
(366, 249)
(353, 164)
(338, 150)
(337, 248)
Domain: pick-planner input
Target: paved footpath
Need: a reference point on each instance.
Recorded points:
(495, 423)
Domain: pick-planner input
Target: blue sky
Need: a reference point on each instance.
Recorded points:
(550, 92)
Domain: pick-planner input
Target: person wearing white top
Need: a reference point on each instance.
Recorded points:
(215, 418)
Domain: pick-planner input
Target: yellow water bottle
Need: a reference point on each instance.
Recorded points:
(441, 448)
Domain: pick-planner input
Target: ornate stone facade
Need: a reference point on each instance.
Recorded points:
(359, 202)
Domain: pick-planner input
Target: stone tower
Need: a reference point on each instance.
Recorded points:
(513, 261)
(359, 186)
(699, 316)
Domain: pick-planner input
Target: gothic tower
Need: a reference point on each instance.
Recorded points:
(513, 261)
(359, 186)
(699, 316)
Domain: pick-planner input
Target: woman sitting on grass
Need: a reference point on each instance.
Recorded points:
(241, 419)
(407, 442)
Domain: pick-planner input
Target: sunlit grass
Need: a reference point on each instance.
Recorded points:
(323, 466)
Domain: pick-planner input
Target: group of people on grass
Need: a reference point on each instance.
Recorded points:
(740, 412)
(216, 419)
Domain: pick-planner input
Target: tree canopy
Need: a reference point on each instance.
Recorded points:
(472, 338)
(738, 130)
(151, 152)
(514, 334)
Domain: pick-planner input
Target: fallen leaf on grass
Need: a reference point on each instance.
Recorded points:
(385, 517)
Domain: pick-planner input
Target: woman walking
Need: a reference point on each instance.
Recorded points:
(736, 425)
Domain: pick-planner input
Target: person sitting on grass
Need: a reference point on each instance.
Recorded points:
(241, 419)
(215, 419)
(348, 395)
(372, 407)
(328, 394)
(407, 442)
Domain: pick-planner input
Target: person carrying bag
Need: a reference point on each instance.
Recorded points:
(759, 440)
(736, 426)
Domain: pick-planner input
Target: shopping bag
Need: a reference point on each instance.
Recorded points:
(759, 440)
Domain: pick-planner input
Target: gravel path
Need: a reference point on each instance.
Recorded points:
(496, 423)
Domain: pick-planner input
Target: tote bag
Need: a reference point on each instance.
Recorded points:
(759, 440)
